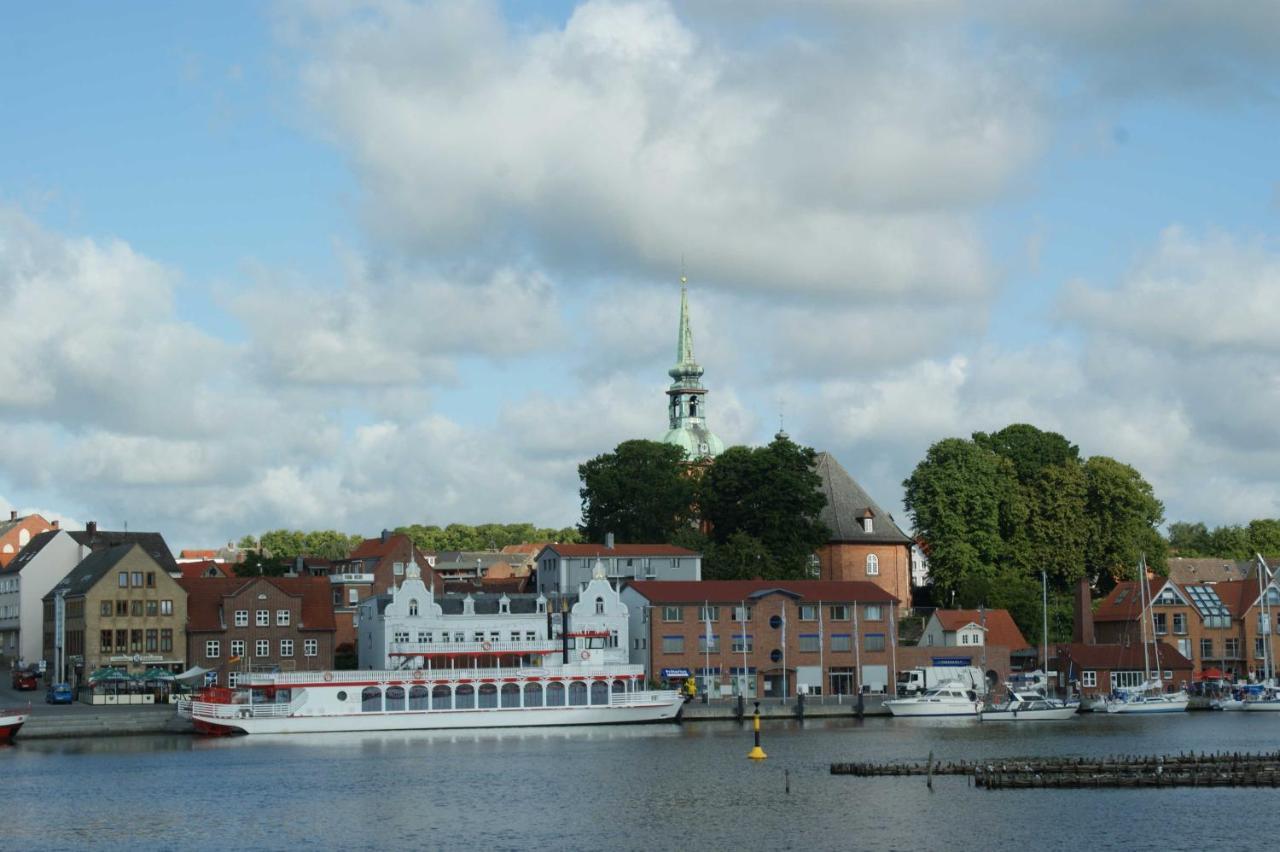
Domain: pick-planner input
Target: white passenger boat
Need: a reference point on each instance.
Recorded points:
(948, 699)
(1029, 706)
(313, 702)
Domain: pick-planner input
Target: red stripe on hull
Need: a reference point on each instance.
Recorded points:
(8, 732)
(209, 729)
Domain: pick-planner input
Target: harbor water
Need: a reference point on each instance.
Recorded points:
(649, 787)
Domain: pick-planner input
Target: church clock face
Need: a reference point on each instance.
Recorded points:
(704, 448)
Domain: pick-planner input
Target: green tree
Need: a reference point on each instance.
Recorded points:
(326, 544)
(1055, 538)
(1189, 539)
(283, 544)
(247, 542)
(1122, 514)
(641, 492)
(256, 563)
(769, 494)
(957, 497)
(1264, 536)
(740, 557)
(1030, 449)
(1230, 542)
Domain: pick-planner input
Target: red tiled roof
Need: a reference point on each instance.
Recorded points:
(372, 548)
(197, 554)
(1001, 629)
(528, 549)
(1237, 596)
(1123, 603)
(722, 591)
(1120, 656)
(620, 550)
(195, 570)
(206, 594)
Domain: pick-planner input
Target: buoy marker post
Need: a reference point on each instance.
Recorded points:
(756, 753)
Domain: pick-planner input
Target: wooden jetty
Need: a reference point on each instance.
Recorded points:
(1222, 769)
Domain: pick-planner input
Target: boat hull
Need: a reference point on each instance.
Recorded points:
(1054, 714)
(440, 720)
(1148, 707)
(1261, 706)
(913, 710)
(10, 725)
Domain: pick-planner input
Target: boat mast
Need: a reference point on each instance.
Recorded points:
(1142, 617)
(1044, 624)
(1151, 604)
(1264, 612)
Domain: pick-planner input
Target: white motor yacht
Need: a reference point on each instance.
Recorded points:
(1029, 706)
(948, 699)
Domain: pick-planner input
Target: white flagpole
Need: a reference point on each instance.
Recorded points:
(893, 645)
(784, 652)
(706, 668)
(742, 614)
(822, 670)
(857, 649)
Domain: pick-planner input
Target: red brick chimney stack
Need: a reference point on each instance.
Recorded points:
(1082, 623)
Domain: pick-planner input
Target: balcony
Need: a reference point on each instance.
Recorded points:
(351, 578)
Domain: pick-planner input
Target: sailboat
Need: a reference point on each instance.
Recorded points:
(1030, 704)
(1268, 697)
(1150, 697)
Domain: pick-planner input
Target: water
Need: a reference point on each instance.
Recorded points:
(654, 787)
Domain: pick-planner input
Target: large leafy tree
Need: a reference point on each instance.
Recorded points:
(433, 538)
(1123, 515)
(1189, 539)
(764, 500)
(1031, 450)
(640, 492)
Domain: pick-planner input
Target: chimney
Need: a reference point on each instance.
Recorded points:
(608, 541)
(386, 534)
(91, 527)
(1082, 623)
(13, 514)
(55, 523)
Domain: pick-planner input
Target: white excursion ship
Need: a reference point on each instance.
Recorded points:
(430, 663)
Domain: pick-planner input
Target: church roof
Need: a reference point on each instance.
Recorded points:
(848, 504)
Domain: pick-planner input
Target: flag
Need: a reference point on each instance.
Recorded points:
(233, 661)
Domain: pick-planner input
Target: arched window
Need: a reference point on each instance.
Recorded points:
(599, 606)
(578, 694)
(555, 695)
(510, 695)
(873, 565)
(693, 406)
(371, 700)
(24, 536)
(418, 698)
(465, 697)
(395, 699)
(533, 695)
(441, 697)
(488, 695)
(599, 692)
(413, 607)
(619, 687)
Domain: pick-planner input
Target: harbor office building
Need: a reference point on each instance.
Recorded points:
(412, 627)
(765, 639)
(120, 608)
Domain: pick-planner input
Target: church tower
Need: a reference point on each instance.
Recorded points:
(687, 397)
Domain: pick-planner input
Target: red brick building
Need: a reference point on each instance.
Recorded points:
(767, 637)
(236, 622)
(373, 567)
(866, 544)
(1101, 668)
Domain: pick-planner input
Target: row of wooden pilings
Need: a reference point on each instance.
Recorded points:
(1220, 769)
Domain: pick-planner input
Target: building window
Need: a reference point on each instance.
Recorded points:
(873, 561)
(599, 606)
(1162, 623)
(868, 526)
(166, 607)
(153, 639)
(1232, 651)
(122, 609)
(808, 612)
(743, 644)
(1088, 679)
(151, 579)
(1180, 623)
(263, 618)
(213, 649)
(135, 609)
(262, 648)
(839, 612)
(964, 638)
(237, 647)
(105, 638)
(673, 644)
(282, 618)
(123, 579)
(233, 679)
(874, 642)
(1206, 649)
(310, 647)
(708, 648)
(872, 612)
(286, 647)
(166, 639)
(353, 596)
(135, 641)
(708, 613)
(137, 579)
(742, 613)
(672, 614)
(153, 607)
(242, 618)
(397, 568)
(841, 642)
(122, 641)
(809, 643)
(400, 636)
(531, 636)
(105, 609)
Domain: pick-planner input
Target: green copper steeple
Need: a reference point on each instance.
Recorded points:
(687, 396)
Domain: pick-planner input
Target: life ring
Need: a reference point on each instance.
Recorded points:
(586, 655)
(417, 674)
(328, 676)
(485, 646)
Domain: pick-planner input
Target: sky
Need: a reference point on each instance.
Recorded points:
(356, 265)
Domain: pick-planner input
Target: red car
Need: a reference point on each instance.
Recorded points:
(25, 679)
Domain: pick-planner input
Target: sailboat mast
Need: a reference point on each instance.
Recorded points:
(1151, 604)
(1264, 613)
(1142, 617)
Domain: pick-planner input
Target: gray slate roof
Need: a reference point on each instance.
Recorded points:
(487, 604)
(90, 570)
(26, 554)
(846, 505)
(153, 543)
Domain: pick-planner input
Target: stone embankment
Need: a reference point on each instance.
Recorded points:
(720, 709)
(104, 722)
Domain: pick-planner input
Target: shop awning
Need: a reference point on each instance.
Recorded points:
(192, 674)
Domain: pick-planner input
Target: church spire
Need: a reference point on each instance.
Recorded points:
(686, 405)
(685, 366)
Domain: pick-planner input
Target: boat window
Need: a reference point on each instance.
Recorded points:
(465, 697)
(577, 694)
(488, 695)
(342, 696)
(533, 695)
(418, 698)
(555, 695)
(395, 698)
(510, 695)
(441, 697)
(599, 692)
(371, 700)
(619, 686)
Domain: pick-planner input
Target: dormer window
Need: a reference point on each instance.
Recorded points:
(504, 606)
(542, 605)
(867, 524)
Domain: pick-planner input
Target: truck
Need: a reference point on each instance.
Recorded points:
(917, 680)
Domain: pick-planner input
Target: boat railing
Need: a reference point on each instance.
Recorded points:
(265, 710)
(625, 699)
(364, 676)
(428, 649)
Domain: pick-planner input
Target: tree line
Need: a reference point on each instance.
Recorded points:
(1233, 541)
(752, 513)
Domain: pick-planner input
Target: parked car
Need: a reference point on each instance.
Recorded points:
(25, 679)
(59, 693)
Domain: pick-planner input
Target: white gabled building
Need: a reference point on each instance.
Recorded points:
(409, 627)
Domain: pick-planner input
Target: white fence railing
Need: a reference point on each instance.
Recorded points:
(336, 678)
(524, 646)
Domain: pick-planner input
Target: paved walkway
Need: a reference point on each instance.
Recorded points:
(89, 720)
